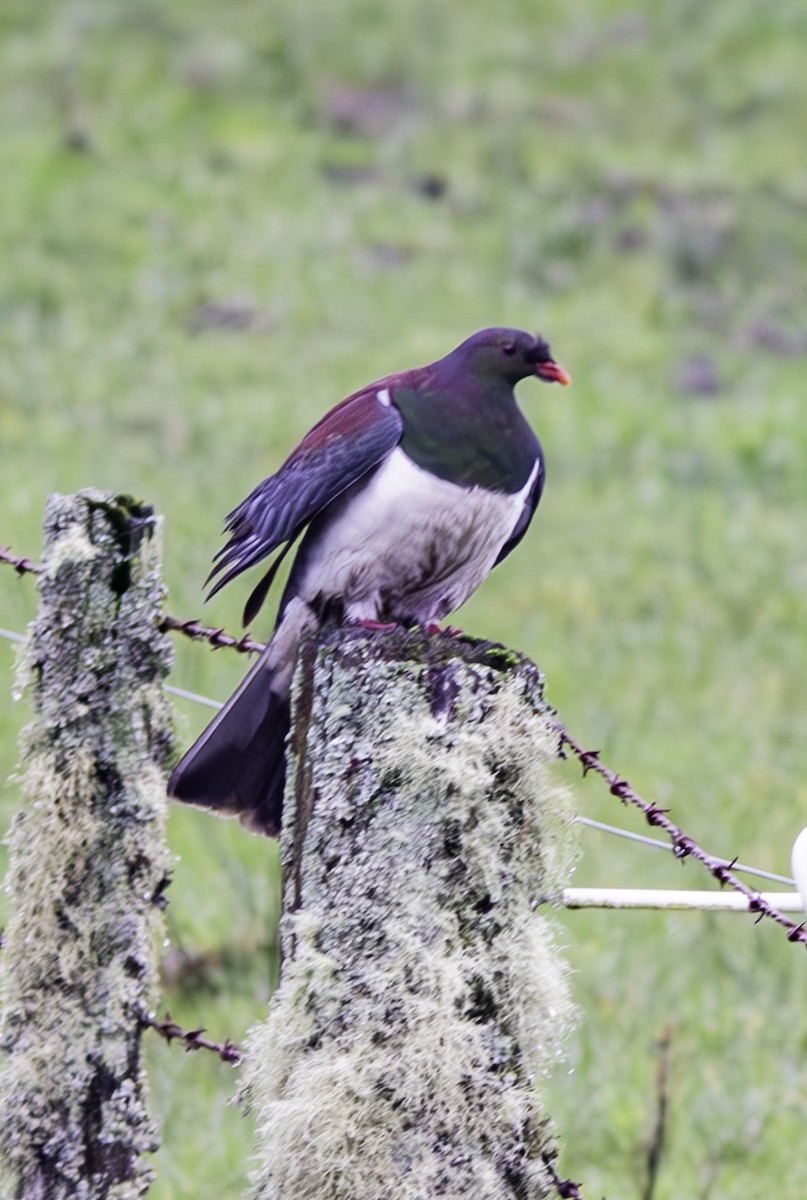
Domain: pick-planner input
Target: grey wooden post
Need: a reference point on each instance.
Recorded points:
(88, 862)
(422, 997)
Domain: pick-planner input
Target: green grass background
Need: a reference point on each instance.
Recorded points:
(219, 218)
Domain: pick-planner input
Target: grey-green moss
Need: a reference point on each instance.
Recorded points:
(88, 865)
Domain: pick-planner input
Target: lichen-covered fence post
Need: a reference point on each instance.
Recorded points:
(422, 997)
(88, 862)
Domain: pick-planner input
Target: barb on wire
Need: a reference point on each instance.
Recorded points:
(192, 628)
(227, 1051)
(683, 845)
(22, 565)
(217, 638)
(567, 1189)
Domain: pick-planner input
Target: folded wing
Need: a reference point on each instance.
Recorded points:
(528, 511)
(348, 442)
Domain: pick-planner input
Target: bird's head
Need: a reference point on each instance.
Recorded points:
(511, 354)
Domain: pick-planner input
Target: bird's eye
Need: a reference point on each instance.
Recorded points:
(509, 348)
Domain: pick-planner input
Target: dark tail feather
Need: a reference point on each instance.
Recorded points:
(258, 594)
(238, 765)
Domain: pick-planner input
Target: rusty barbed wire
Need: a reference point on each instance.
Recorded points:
(216, 637)
(22, 565)
(227, 1051)
(684, 846)
(191, 628)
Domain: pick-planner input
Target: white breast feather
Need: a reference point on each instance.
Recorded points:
(410, 545)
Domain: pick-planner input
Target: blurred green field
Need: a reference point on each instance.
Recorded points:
(217, 219)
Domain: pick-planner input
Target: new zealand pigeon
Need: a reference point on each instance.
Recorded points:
(406, 495)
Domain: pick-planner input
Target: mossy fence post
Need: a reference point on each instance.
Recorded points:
(422, 997)
(88, 862)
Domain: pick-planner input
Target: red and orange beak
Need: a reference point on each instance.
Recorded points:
(552, 373)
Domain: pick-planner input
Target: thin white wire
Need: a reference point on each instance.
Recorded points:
(600, 825)
(193, 696)
(659, 845)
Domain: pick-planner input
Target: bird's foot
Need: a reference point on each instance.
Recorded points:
(376, 626)
(447, 630)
